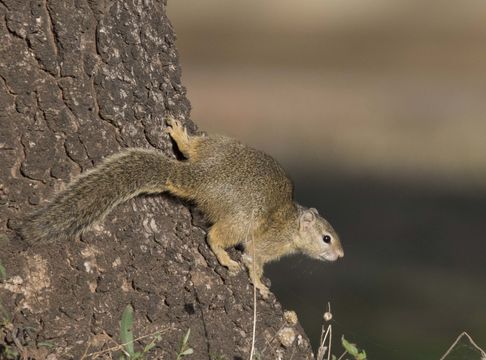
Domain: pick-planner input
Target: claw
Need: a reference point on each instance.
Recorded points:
(264, 292)
(170, 120)
(233, 268)
(174, 123)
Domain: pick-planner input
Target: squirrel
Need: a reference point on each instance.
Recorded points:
(244, 193)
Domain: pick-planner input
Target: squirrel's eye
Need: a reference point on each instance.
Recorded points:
(327, 239)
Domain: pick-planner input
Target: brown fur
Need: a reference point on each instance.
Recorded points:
(243, 192)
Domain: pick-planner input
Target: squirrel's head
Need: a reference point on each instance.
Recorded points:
(316, 237)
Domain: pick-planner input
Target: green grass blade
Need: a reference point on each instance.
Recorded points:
(350, 348)
(186, 337)
(126, 331)
(3, 273)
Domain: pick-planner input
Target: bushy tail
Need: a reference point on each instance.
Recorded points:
(94, 194)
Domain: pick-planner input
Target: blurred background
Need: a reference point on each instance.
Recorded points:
(377, 109)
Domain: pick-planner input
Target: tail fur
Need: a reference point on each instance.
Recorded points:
(93, 195)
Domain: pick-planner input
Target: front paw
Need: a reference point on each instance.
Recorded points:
(233, 267)
(264, 291)
(175, 125)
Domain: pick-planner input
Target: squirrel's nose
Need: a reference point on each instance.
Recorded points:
(340, 252)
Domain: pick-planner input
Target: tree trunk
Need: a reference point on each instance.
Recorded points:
(80, 80)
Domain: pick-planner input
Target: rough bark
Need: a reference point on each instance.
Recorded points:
(80, 80)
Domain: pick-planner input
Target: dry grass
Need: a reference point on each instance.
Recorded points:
(469, 338)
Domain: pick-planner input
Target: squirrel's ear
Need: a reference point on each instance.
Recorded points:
(307, 219)
(314, 210)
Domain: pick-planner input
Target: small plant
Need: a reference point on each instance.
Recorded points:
(126, 337)
(465, 343)
(185, 349)
(3, 273)
(8, 352)
(126, 332)
(324, 351)
(46, 344)
(352, 350)
(4, 316)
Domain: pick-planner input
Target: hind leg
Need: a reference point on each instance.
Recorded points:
(219, 239)
(184, 141)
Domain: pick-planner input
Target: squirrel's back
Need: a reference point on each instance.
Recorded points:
(228, 178)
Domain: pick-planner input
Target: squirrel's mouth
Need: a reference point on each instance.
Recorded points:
(326, 256)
